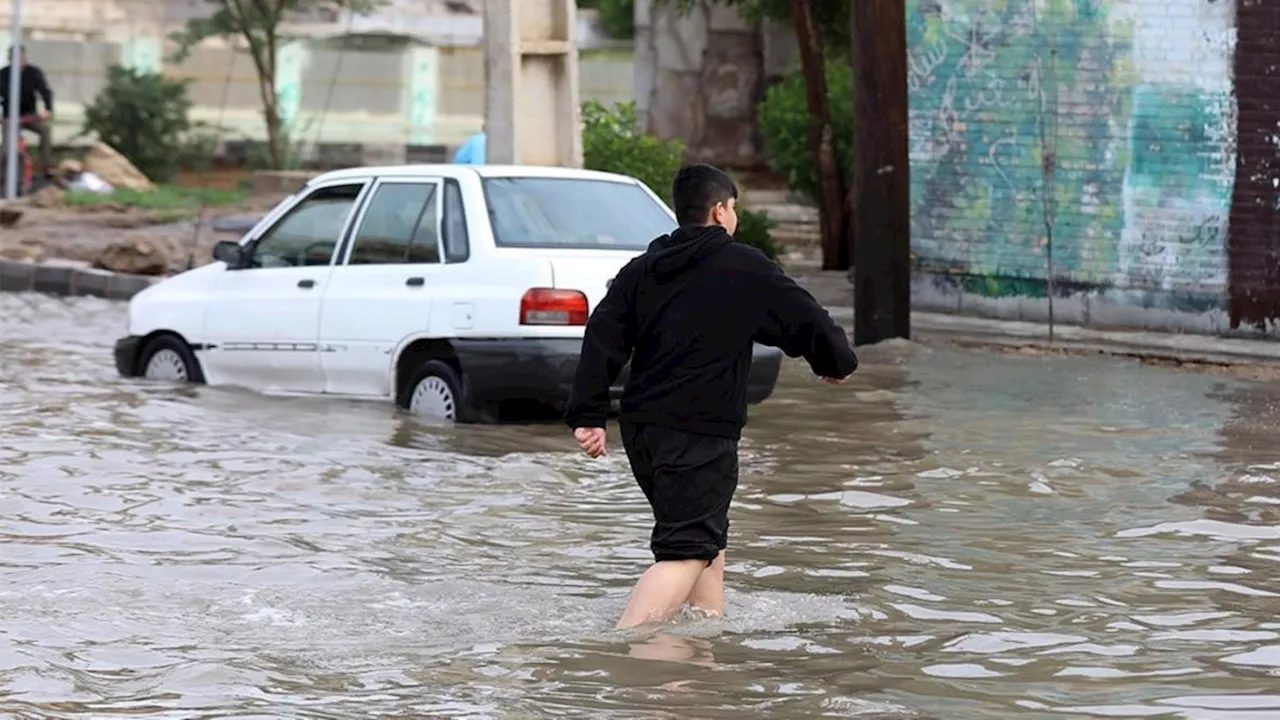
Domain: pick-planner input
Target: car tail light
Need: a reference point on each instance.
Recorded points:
(548, 306)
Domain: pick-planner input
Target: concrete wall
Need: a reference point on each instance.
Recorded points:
(416, 95)
(1121, 112)
(605, 76)
(88, 19)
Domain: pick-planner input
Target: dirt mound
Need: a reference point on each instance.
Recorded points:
(135, 254)
(103, 160)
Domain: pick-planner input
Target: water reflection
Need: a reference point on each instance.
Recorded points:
(953, 535)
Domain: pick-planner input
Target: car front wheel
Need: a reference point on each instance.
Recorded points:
(435, 391)
(169, 358)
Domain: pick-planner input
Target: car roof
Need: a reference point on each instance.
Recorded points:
(484, 171)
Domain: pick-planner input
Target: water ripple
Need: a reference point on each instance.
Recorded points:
(953, 535)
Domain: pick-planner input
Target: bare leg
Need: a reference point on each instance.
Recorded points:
(661, 591)
(708, 592)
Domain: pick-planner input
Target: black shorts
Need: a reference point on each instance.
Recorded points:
(689, 480)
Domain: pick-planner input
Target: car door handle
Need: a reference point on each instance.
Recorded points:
(306, 284)
(415, 282)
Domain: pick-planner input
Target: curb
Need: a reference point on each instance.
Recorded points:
(70, 280)
(967, 331)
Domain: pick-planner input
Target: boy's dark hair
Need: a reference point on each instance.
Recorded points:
(697, 189)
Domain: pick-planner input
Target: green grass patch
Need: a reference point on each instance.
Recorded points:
(165, 198)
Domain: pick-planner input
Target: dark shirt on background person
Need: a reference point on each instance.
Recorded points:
(31, 84)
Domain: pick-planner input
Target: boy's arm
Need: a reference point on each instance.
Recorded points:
(794, 322)
(606, 348)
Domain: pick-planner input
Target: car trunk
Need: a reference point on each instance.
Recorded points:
(589, 271)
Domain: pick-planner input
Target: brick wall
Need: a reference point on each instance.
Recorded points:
(1091, 141)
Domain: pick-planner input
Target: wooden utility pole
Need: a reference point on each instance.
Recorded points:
(881, 175)
(830, 191)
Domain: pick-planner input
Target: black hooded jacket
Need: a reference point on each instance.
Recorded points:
(685, 314)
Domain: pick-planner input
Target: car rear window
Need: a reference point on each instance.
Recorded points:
(573, 213)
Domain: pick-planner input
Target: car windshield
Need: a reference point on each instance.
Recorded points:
(577, 213)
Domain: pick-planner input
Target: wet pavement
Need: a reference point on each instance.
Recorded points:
(954, 535)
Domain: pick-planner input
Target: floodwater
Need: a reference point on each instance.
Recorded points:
(954, 535)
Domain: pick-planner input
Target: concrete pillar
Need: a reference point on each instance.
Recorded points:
(532, 113)
(645, 62)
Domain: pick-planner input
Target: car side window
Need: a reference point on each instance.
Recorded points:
(307, 234)
(401, 225)
(457, 243)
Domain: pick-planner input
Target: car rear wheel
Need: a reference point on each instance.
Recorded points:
(435, 391)
(169, 358)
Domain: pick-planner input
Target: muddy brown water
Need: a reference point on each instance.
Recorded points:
(953, 535)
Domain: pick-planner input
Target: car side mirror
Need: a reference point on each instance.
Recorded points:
(231, 253)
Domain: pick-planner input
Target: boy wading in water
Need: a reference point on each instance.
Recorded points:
(685, 314)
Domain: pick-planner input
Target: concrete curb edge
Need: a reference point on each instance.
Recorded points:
(970, 331)
(70, 280)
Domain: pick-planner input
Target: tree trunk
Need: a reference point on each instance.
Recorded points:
(1253, 227)
(264, 61)
(832, 210)
(277, 143)
(271, 115)
(881, 176)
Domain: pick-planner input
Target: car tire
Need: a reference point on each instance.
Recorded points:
(436, 392)
(168, 357)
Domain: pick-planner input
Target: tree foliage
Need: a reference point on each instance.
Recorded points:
(144, 116)
(612, 141)
(257, 23)
(783, 119)
(755, 228)
(617, 17)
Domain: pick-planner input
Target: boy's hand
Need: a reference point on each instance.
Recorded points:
(834, 381)
(591, 440)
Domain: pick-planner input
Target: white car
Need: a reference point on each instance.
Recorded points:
(450, 290)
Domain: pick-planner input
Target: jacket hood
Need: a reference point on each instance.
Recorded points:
(673, 254)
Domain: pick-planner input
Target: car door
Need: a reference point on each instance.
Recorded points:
(263, 319)
(383, 289)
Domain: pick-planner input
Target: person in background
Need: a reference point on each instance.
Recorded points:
(31, 82)
(471, 152)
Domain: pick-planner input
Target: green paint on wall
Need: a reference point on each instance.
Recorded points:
(423, 94)
(143, 54)
(1012, 98)
(291, 60)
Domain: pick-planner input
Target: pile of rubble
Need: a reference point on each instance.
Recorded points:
(103, 170)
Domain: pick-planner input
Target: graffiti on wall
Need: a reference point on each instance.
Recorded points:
(1101, 128)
